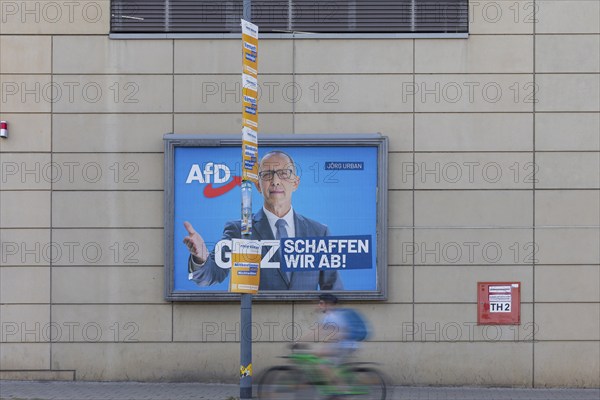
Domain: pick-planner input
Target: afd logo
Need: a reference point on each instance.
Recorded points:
(213, 173)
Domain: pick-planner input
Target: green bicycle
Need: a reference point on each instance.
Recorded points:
(303, 379)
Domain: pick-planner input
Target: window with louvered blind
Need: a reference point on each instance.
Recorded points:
(287, 16)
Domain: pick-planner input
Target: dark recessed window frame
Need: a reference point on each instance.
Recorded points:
(310, 18)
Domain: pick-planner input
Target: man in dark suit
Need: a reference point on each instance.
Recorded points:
(277, 219)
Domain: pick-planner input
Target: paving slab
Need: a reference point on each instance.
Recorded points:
(81, 390)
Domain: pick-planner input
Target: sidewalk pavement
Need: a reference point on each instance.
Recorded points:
(80, 390)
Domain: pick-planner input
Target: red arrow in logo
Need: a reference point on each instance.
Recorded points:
(210, 191)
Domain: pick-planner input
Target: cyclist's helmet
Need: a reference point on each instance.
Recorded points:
(328, 298)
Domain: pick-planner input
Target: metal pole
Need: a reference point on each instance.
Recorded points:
(246, 305)
(246, 345)
(247, 12)
(246, 300)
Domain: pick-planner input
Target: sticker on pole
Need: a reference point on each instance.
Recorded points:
(245, 266)
(249, 101)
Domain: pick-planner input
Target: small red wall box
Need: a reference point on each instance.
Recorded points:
(498, 303)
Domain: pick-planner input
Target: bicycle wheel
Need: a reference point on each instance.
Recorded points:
(277, 383)
(285, 383)
(367, 384)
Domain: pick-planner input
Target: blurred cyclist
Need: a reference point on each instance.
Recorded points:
(338, 345)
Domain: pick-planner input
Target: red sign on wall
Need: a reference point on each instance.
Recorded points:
(498, 303)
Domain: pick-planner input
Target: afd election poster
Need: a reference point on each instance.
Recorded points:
(337, 200)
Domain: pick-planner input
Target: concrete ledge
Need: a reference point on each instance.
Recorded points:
(29, 375)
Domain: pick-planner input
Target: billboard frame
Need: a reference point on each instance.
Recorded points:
(173, 141)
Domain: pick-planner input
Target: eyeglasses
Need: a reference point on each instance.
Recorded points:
(281, 173)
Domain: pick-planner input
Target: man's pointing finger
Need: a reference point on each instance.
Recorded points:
(189, 228)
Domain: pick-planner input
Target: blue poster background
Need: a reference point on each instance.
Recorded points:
(342, 197)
